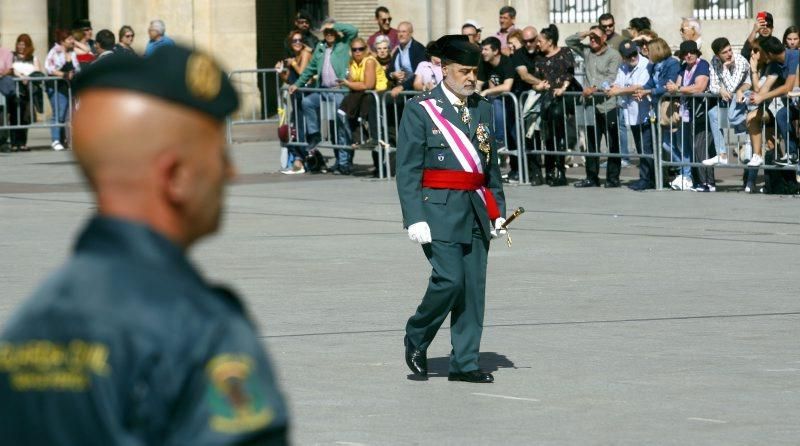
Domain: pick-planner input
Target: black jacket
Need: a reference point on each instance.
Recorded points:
(417, 54)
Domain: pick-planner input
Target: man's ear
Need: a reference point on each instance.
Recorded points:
(173, 178)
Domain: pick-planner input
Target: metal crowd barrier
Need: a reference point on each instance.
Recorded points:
(268, 85)
(736, 138)
(391, 111)
(333, 128)
(577, 120)
(30, 98)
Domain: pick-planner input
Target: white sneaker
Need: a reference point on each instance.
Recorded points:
(715, 160)
(687, 184)
(747, 189)
(756, 160)
(711, 188)
(676, 183)
(293, 171)
(57, 146)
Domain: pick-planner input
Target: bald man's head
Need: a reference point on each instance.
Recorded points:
(152, 160)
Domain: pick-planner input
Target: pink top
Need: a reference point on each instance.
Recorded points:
(6, 60)
(503, 36)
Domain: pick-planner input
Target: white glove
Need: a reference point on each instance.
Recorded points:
(497, 223)
(420, 233)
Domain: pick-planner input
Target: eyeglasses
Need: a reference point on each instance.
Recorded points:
(386, 20)
(358, 49)
(301, 21)
(530, 40)
(610, 25)
(297, 40)
(128, 36)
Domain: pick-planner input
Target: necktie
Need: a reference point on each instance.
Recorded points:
(464, 112)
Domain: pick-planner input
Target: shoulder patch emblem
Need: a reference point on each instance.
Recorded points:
(235, 400)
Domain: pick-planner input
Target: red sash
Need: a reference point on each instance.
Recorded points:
(461, 180)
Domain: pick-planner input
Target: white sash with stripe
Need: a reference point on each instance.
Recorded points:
(461, 146)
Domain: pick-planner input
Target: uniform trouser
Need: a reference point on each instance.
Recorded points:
(457, 286)
(605, 127)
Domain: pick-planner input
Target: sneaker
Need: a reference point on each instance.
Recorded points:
(626, 163)
(293, 170)
(681, 183)
(711, 188)
(699, 188)
(715, 160)
(57, 146)
(747, 189)
(787, 160)
(756, 160)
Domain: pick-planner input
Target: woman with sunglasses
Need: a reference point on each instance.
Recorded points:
(125, 44)
(557, 68)
(289, 70)
(365, 73)
(291, 67)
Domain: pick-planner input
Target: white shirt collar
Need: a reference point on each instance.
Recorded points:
(451, 96)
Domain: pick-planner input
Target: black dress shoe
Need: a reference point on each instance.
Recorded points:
(537, 180)
(416, 359)
(559, 180)
(588, 182)
(612, 183)
(549, 177)
(474, 376)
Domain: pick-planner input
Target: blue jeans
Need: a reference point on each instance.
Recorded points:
(329, 103)
(685, 142)
(784, 118)
(60, 104)
(716, 131)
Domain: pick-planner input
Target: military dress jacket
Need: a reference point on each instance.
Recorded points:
(127, 345)
(451, 214)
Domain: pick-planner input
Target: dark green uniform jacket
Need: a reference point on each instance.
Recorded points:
(127, 345)
(449, 213)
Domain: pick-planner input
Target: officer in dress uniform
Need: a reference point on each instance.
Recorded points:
(452, 200)
(127, 344)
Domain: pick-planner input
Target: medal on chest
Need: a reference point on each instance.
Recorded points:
(482, 133)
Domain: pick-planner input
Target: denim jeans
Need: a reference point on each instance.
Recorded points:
(784, 118)
(683, 151)
(329, 104)
(60, 104)
(716, 131)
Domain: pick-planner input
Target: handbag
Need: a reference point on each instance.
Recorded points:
(669, 113)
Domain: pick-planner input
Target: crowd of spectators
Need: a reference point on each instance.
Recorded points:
(74, 49)
(631, 83)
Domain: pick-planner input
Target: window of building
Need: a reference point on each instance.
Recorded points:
(577, 11)
(723, 9)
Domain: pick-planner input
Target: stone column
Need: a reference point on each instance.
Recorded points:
(20, 17)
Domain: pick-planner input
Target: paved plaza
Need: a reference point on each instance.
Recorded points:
(617, 317)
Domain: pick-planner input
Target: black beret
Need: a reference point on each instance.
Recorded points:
(457, 48)
(172, 73)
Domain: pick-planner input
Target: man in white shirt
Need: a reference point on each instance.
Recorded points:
(632, 75)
